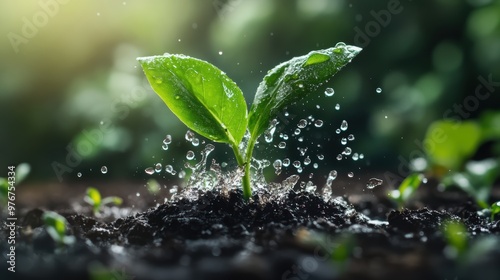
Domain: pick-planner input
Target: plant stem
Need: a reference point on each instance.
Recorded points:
(247, 190)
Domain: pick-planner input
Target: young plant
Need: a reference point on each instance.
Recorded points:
(407, 188)
(495, 209)
(56, 227)
(207, 101)
(93, 197)
(7, 184)
(455, 235)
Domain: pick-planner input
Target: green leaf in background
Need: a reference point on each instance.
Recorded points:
(56, 227)
(490, 125)
(293, 80)
(476, 180)
(4, 188)
(495, 209)
(409, 186)
(449, 144)
(22, 171)
(93, 197)
(200, 95)
(455, 234)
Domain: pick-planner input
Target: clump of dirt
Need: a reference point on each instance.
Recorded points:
(220, 236)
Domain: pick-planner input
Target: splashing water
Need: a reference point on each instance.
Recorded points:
(374, 182)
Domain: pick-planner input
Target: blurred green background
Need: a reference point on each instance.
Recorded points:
(69, 81)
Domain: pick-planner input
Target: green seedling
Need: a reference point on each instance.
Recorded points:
(93, 197)
(495, 209)
(207, 101)
(56, 227)
(407, 188)
(8, 184)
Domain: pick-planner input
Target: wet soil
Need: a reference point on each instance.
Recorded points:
(220, 236)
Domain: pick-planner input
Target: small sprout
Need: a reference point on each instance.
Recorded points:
(211, 104)
(407, 188)
(7, 184)
(56, 227)
(495, 209)
(93, 197)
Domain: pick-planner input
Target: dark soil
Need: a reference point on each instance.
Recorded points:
(299, 237)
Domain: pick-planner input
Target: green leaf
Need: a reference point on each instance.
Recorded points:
(490, 125)
(56, 225)
(4, 188)
(93, 198)
(200, 95)
(22, 171)
(495, 209)
(449, 144)
(477, 179)
(409, 186)
(293, 80)
(112, 199)
(456, 236)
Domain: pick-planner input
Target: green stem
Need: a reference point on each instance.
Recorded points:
(247, 190)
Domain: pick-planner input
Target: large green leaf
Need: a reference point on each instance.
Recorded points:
(200, 95)
(449, 144)
(295, 79)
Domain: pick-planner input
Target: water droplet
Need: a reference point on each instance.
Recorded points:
(343, 126)
(329, 92)
(378, 90)
(282, 145)
(173, 190)
(189, 136)
(79, 174)
(327, 193)
(350, 174)
(149, 170)
(337, 107)
(318, 123)
(137, 194)
(101, 122)
(169, 169)
(286, 162)
(307, 161)
(301, 85)
(302, 123)
(269, 133)
(285, 136)
(182, 174)
(310, 187)
(195, 142)
(343, 141)
(350, 137)
(373, 182)
(190, 155)
(159, 81)
(220, 52)
(277, 166)
(168, 139)
(164, 147)
(300, 139)
(315, 165)
(331, 177)
(302, 151)
(104, 169)
(355, 156)
(347, 151)
(297, 131)
(361, 156)
(158, 167)
(339, 157)
(318, 107)
(321, 156)
(296, 164)
(98, 14)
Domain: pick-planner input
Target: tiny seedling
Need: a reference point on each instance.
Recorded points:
(455, 235)
(93, 197)
(56, 227)
(207, 101)
(407, 188)
(8, 184)
(495, 209)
